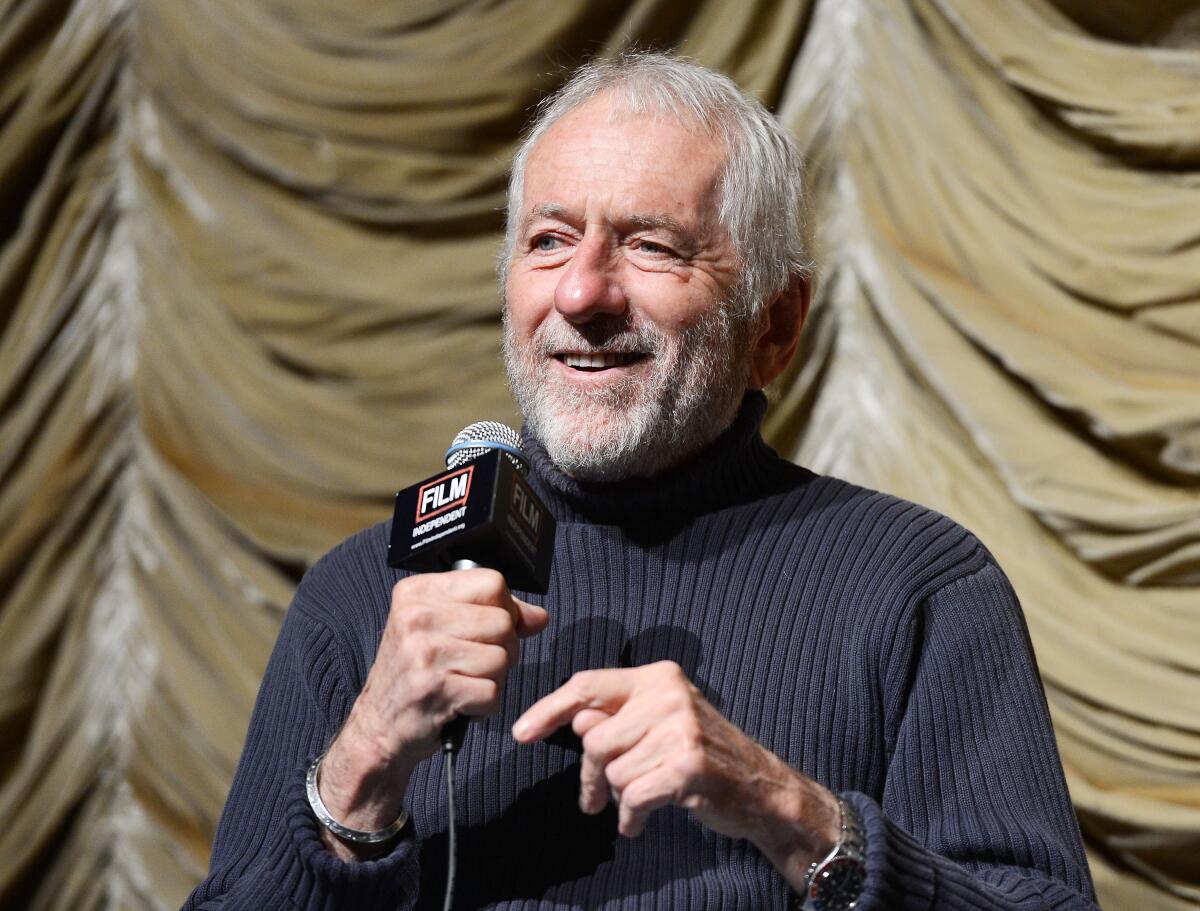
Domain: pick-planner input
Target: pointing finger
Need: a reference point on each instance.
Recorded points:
(606, 690)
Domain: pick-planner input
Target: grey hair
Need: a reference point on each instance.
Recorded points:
(763, 193)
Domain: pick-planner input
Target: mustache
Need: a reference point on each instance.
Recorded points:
(601, 335)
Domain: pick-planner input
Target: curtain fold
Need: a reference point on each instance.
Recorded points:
(247, 290)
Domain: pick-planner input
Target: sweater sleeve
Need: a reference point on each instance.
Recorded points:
(975, 812)
(268, 854)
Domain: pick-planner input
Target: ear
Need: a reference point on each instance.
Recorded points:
(779, 332)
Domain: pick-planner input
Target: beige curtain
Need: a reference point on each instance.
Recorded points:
(246, 291)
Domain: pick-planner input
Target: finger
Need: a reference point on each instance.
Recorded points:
(592, 799)
(488, 625)
(474, 697)
(643, 796)
(604, 689)
(586, 719)
(530, 618)
(477, 586)
(605, 743)
(593, 787)
(438, 622)
(471, 586)
(471, 659)
(476, 622)
(598, 750)
(650, 752)
(487, 587)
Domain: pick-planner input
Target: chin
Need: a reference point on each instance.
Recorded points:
(595, 442)
(626, 444)
(637, 427)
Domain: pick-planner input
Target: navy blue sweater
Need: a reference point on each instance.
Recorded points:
(872, 643)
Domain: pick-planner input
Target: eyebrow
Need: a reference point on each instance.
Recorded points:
(543, 210)
(657, 223)
(638, 221)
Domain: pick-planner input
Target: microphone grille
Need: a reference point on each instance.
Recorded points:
(476, 439)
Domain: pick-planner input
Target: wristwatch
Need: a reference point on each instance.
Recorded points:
(835, 882)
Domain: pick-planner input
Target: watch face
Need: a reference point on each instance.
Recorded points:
(838, 884)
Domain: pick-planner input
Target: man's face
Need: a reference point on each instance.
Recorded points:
(624, 345)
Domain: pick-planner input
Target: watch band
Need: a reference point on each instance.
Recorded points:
(325, 818)
(835, 882)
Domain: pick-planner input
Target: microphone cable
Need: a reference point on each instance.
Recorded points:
(472, 442)
(452, 738)
(449, 749)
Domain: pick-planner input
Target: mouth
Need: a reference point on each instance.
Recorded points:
(593, 362)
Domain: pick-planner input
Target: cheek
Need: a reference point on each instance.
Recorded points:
(674, 309)
(526, 302)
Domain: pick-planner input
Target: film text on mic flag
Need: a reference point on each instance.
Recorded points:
(483, 511)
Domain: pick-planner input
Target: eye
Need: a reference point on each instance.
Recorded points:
(653, 248)
(546, 242)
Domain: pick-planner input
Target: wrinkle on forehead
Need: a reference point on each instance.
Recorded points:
(582, 133)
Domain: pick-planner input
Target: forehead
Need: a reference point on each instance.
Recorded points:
(596, 155)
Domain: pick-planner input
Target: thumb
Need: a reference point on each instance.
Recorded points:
(531, 619)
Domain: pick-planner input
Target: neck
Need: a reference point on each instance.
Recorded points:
(736, 466)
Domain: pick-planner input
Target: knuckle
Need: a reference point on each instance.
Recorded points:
(497, 662)
(581, 679)
(579, 726)
(417, 617)
(490, 695)
(688, 731)
(618, 778)
(424, 652)
(490, 583)
(405, 586)
(677, 703)
(503, 627)
(425, 686)
(669, 671)
(636, 796)
(490, 690)
(410, 588)
(690, 766)
(594, 743)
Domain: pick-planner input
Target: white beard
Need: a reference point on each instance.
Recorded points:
(639, 425)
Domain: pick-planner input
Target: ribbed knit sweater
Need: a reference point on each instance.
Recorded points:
(873, 644)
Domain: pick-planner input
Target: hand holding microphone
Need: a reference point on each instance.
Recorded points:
(450, 637)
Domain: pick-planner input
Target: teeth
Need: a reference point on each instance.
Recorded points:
(599, 361)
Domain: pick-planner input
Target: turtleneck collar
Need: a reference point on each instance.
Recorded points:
(735, 467)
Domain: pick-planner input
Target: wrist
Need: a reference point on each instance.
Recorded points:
(836, 881)
(361, 786)
(346, 842)
(799, 824)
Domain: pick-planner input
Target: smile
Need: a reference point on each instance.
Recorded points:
(599, 360)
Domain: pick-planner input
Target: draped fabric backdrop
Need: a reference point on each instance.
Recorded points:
(247, 291)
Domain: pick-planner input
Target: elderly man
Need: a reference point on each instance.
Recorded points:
(748, 685)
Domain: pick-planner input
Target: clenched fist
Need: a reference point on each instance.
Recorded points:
(449, 642)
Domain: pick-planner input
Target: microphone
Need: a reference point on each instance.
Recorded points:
(479, 512)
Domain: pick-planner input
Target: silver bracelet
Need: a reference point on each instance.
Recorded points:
(345, 833)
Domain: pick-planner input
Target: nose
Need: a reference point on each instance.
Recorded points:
(589, 286)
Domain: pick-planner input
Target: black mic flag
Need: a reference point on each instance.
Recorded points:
(480, 509)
